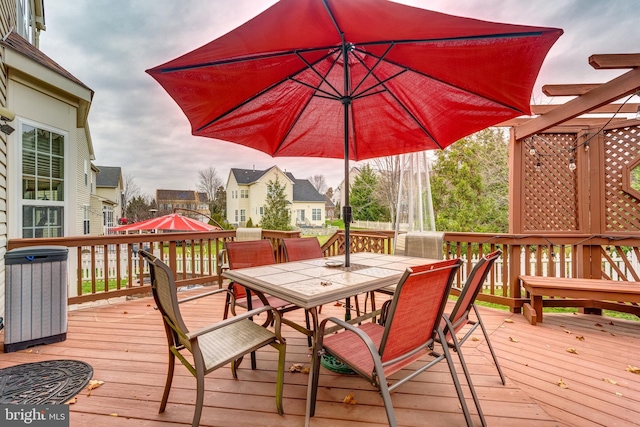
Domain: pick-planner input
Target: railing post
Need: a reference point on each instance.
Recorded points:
(514, 273)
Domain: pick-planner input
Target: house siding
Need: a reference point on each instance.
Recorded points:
(7, 15)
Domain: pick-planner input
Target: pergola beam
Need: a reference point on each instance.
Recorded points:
(569, 89)
(604, 94)
(580, 121)
(615, 61)
(605, 109)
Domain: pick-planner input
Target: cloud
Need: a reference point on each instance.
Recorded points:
(108, 44)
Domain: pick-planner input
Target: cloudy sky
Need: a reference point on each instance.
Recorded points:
(108, 44)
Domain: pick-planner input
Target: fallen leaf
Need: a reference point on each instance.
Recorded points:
(94, 384)
(71, 401)
(567, 331)
(349, 399)
(579, 337)
(29, 351)
(633, 369)
(575, 314)
(612, 324)
(508, 321)
(475, 339)
(572, 350)
(562, 384)
(513, 339)
(618, 394)
(113, 415)
(610, 381)
(562, 325)
(612, 334)
(598, 325)
(337, 304)
(126, 350)
(125, 312)
(296, 367)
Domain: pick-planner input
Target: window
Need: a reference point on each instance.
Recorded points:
(243, 215)
(24, 19)
(107, 217)
(300, 216)
(86, 175)
(261, 210)
(43, 173)
(86, 222)
(236, 216)
(244, 194)
(316, 214)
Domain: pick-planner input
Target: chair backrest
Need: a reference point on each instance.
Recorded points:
(416, 311)
(244, 234)
(298, 249)
(252, 253)
(163, 288)
(471, 289)
(424, 244)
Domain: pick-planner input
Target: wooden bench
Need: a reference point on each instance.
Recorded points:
(588, 289)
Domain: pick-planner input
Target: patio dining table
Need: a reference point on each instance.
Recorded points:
(314, 282)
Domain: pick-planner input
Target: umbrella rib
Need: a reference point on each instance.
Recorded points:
(444, 82)
(256, 57)
(400, 103)
(323, 78)
(330, 96)
(522, 34)
(257, 95)
(380, 59)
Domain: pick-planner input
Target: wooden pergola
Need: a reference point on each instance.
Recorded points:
(570, 164)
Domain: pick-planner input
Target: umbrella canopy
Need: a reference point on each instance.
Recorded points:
(356, 79)
(171, 222)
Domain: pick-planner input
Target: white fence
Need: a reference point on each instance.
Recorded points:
(611, 269)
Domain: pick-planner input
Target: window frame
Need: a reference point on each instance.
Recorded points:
(18, 176)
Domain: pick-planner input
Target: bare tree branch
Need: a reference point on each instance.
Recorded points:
(319, 183)
(131, 190)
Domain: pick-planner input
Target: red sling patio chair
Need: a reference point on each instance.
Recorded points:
(459, 316)
(254, 253)
(213, 346)
(376, 352)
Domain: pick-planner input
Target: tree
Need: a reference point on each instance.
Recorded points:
(139, 208)
(131, 190)
(364, 200)
(219, 204)
(208, 183)
(318, 182)
(470, 184)
(276, 215)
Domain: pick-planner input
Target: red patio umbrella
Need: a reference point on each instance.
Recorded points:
(414, 80)
(171, 222)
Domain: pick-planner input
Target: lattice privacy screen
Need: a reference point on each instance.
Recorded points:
(550, 193)
(622, 211)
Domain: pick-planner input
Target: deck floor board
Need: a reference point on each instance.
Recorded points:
(124, 342)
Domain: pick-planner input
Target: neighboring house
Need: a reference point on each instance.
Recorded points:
(329, 208)
(353, 174)
(43, 192)
(247, 194)
(108, 193)
(168, 200)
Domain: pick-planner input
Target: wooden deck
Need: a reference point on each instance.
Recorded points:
(124, 342)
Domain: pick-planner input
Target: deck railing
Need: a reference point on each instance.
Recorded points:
(108, 266)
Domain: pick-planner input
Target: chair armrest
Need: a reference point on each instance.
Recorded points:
(206, 294)
(238, 318)
(352, 328)
(222, 258)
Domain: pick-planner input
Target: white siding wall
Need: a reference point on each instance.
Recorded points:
(84, 191)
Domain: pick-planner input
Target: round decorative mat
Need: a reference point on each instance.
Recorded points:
(43, 383)
(333, 364)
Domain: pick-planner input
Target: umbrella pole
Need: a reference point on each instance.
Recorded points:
(346, 102)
